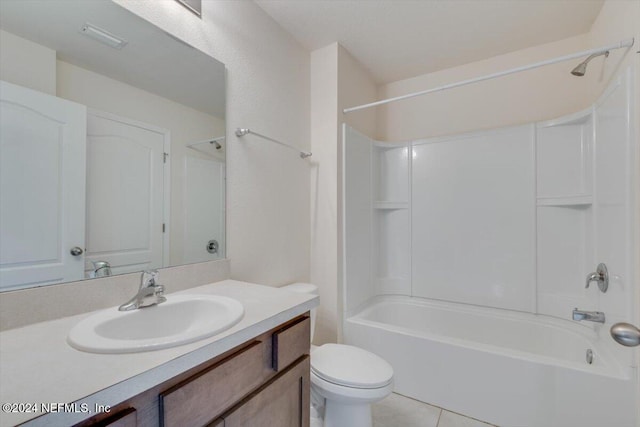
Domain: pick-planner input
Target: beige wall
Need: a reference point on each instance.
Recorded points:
(267, 91)
(185, 124)
(324, 214)
(28, 64)
(355, 87)
(337, 81)
(538, 94)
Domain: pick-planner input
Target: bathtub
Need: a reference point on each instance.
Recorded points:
(507, 368)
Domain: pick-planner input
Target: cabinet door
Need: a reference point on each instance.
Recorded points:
(289, 343)
(208, 394)
(283, 402)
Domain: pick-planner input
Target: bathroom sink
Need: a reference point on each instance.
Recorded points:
(180, 320)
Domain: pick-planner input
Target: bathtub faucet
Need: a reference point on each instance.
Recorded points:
(591, 316)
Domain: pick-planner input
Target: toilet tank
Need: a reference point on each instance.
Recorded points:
(305, 288)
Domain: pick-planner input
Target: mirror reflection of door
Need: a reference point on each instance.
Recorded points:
(42, 187)
(125, 193)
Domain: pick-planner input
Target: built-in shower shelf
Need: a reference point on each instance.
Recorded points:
(583, 200)
(390, 205)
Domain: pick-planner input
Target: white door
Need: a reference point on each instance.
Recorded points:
(125, 193)
(42, 188)
(203, 209)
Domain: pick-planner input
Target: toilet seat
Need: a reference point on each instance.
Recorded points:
(349, 395)
(350, 367)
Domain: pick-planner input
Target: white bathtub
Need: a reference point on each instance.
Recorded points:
(507, 368)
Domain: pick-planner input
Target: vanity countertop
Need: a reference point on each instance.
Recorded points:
(38, 366)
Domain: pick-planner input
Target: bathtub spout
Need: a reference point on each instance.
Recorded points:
(591, 316)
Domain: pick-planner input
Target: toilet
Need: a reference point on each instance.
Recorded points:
(345, 380)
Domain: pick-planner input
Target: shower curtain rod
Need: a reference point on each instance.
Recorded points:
(245, 131)
(619, 45)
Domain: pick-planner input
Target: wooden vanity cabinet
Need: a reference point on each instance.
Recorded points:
(263, 382)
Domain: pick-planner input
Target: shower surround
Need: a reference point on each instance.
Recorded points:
(465, 255)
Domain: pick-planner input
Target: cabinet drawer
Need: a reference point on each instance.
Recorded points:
(125, 418)
(283, 402)
(200, 399)
(290, 342)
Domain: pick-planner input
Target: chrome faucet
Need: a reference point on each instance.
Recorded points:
(150, 292)
(101, 269)
(591, 316)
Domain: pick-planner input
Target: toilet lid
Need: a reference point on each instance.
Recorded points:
(305, 288)
(350, 366)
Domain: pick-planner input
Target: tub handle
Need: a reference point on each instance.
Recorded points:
(601, 276)
(626, 334)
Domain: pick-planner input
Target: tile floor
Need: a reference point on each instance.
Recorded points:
(400, 411)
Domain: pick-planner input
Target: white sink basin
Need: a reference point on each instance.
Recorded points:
(180, 320)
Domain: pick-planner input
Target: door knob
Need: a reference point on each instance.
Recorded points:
(76, 251)
(626, 334)
(212, 246)
(601, 276)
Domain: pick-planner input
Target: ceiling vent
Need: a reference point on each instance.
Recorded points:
(103, 36)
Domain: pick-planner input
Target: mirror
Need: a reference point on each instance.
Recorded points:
(112, 155)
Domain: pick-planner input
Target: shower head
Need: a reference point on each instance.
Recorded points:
(581, 69)
(212, 141)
